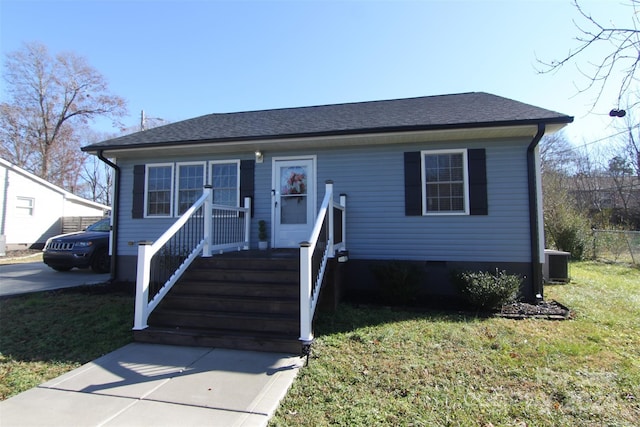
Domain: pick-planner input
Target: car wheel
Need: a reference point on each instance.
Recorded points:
(58, 268)
(101, 262)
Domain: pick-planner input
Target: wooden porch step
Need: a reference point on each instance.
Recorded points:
(211, 320)
(246, 263)
(244, 301)
(214, 288)
(234, 303)
(238, 340)
(241, 275)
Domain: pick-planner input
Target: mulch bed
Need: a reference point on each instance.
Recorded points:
(551, 310)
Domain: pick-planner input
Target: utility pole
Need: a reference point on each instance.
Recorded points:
(144, 118)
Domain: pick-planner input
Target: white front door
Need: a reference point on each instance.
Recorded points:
(294, 201)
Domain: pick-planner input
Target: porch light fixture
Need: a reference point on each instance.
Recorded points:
(259, 156)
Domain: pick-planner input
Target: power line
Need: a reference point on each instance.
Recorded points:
(586, 144)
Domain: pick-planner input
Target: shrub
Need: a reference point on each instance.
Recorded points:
(398, 281)
(567, 229)
(486, 290)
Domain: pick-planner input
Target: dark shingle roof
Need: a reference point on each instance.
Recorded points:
(476, 109)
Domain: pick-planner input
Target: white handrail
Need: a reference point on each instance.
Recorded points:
(146, 251)
(310, 288)
(155, 247)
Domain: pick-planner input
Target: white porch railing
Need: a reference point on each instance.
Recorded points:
(202, 229)
(327, 237)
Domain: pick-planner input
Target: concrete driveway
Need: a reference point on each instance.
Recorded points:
(36, 276)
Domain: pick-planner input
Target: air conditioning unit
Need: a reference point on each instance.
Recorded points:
(556, 266)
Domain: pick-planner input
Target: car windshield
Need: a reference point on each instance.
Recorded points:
(102, 225)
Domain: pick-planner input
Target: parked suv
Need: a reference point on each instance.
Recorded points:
(89, 248)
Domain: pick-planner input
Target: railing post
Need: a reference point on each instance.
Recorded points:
(330, 241)
(343, 203)
(306, 336)
(247, 223)
(206, 217)
(142, 286)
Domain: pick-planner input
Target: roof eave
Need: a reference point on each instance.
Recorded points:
(560, 121)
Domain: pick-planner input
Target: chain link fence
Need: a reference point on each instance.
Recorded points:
(616, 246)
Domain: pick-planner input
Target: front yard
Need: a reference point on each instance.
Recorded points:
(376, 366)
(45, 334)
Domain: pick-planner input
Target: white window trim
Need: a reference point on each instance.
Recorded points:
(177, 180)
(225, 162)
(146, 189)
(25, 210)
(465, 177)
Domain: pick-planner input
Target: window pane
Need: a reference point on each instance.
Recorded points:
(457, 204)
(224, 177)
(431, 162)
(24, 206)
(444, 174)
(293, 180)
(293, 209)
(456, 174)
(444, 190)
(190, 183)
(159, 190)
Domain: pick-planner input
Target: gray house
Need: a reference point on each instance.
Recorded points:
(448, 182)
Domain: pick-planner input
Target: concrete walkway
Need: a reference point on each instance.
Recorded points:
(159, 385)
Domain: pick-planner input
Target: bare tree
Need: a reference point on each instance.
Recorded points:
(556, 153)
(96, 177)
(621, 44)
(51, 98)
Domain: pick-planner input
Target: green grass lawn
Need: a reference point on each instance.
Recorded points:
(46, 334)
(376, 366)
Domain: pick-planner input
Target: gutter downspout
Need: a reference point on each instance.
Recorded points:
(534, 223)
(115, 210)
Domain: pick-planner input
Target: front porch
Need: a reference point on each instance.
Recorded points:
(247, 300)
(221, 293)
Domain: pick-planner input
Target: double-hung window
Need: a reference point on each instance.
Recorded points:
(190, 182)
(225, 180)
(159, 190)
(170, 189)
(445, 182)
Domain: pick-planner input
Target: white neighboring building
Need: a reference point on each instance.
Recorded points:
(31, 209)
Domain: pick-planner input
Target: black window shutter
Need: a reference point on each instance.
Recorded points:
(478, 204)
(412, 184)
(137, 205)
(247, 181)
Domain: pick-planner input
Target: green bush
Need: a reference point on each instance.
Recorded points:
(398, 281)
(572, 237)
(486, 290)
(567, 229)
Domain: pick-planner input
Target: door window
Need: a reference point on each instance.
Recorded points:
(293, 191)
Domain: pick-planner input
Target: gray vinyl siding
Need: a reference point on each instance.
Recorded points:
(377, 228)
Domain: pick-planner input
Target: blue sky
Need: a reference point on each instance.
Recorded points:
(182, 59)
